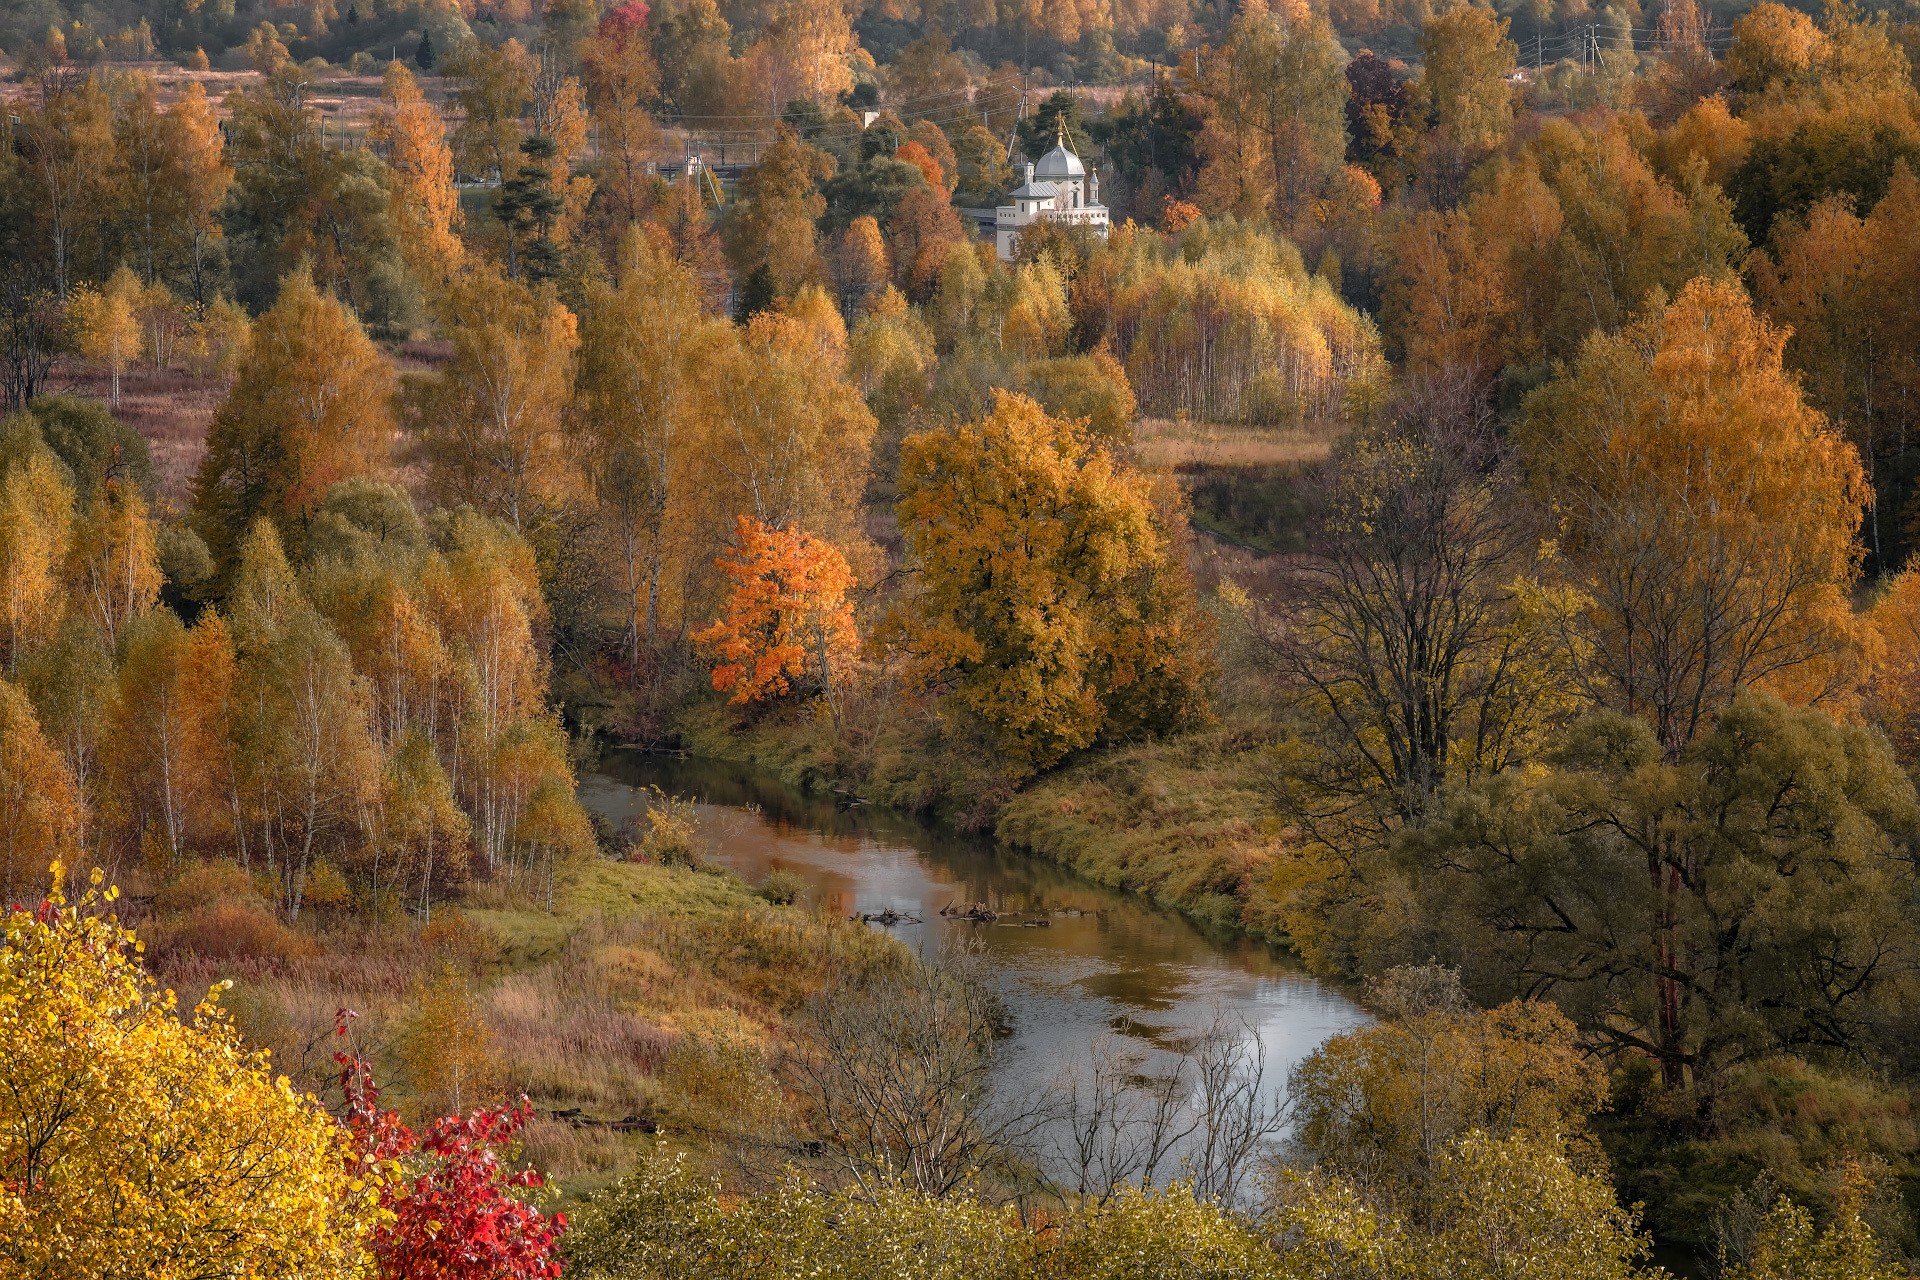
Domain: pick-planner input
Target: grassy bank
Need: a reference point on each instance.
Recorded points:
(648, 998)
(1186, 823)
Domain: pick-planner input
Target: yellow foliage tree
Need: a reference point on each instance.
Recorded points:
(312, 407)
(114, 563)
(421, 198)
(1707, 511)
(490, 419)
(622, 82)
(166, 754)
(1381, 1105)
(793, 441)
(787, 618)
(1049, 600)
(445, 1050)
(138, 1142)
(43, 816)
(107, 327)
(141, 1142)
(36, 525)
(645, 416)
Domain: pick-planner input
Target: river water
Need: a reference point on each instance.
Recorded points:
(1105, 964)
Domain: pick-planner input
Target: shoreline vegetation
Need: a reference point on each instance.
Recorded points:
(1436, 489)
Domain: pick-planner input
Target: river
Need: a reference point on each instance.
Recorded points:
(1103, 964)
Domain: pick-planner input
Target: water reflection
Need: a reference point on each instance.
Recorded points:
(1074, 961)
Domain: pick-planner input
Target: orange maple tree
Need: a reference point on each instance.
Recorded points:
(787, 615)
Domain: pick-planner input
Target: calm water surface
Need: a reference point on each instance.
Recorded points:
(1105, 964)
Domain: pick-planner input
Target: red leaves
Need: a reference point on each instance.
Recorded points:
(454, 1209)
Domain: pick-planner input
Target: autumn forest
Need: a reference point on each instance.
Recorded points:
(1423, 493)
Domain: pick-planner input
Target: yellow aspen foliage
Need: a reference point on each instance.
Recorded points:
(165, 752)
(1843, 285)
(489, 420)
(806, 53)
(484, 595)
(793, 443)
(1380, 1105)
(397, 647)
(1228, 325)
(203, 176)
(1787, 1245)
(1048, 597)
(1703, 501)
(113, 562)
(1275, 132)
(425, 834)
(622, 82)
(421, 198)
(559, 113)
(819, 325)
(1467, 58)
(311, 407)
(1774, 46)
(43, 815)
(645, 415)
(307, 762)
(217, 341)
(861, 268)
(164, 324)
(492, 85)
(107, 326)
(135, 1141)
(787, 617)
(1708, 134)
(1037, 323)
(446, 1053)
(36, 524)
(770, 226)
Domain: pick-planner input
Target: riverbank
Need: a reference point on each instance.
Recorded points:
(1189, 823)
(645, 999)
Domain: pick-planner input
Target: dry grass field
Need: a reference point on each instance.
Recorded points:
(1185, 446)
(170, 407)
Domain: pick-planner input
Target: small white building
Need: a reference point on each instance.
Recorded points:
(1057, 190)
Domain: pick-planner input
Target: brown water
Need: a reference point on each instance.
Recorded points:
(1104, 964)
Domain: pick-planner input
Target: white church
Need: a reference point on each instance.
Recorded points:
(1057, 190)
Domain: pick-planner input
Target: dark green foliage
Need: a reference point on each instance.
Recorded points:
(299, 195)
(1748, 900)
(528, 207)
(875, 187)
(1058, 113)
(758, 292)
(424, 56)
(95, 445)
(1152, 148)
(1832, 153)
